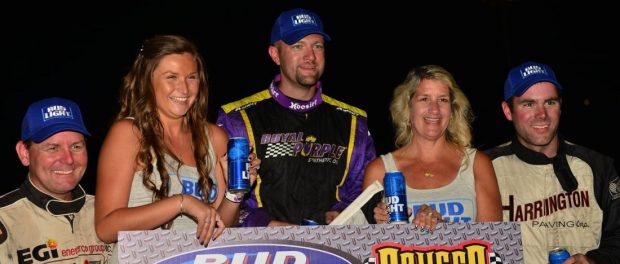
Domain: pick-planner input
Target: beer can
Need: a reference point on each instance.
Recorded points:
(558, 255)
(396, 197)
(238, 165)
(309, 222)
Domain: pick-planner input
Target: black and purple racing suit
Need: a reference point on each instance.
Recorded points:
(313, 154)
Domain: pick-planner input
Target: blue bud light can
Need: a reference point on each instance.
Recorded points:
(238, 165)
(309, 222)
(558, 255)
(396, 197)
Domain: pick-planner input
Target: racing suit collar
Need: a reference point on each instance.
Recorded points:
(54, 205)
(294, 104)
(561, 168)
(528, 155)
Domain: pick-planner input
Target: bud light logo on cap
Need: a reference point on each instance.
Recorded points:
(293, 25)
(522, 77)
(56, 111)
(49, 116)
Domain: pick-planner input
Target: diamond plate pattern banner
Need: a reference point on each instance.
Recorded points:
(353, 241)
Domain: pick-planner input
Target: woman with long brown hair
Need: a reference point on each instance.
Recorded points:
(162, 164)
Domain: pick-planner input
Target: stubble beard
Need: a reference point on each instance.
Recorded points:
(307, 82)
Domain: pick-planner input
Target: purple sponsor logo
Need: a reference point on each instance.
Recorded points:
(303, 106)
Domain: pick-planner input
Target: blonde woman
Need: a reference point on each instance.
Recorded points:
(447, 179)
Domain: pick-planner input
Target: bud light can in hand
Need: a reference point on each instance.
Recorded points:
(558, 255)
(238, 165)
(396, 197)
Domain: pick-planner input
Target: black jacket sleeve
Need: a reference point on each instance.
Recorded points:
(607, 191)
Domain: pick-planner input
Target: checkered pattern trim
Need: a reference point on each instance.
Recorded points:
(494, 258)
(614, 188)
(279, 150)
(370, 260)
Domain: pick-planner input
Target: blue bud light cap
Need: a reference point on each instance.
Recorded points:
(293, 25)
(522, 77)
(49, 116)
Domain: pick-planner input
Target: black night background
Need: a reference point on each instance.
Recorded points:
(82, 51)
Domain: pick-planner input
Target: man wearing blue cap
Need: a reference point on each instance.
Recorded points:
(313, 148)
(50, 218)
(564, 195)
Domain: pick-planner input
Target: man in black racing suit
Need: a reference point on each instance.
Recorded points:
(313, 148)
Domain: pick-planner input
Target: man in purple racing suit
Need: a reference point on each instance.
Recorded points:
(313, 148)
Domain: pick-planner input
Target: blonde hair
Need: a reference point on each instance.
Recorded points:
(459, 127)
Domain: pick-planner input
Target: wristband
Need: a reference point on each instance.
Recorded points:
(234, 197)
(181, 203)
